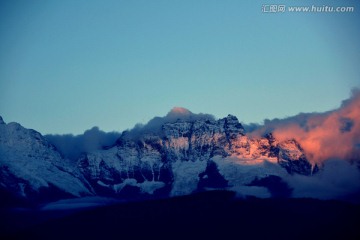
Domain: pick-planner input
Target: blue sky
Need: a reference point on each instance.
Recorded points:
(66, 66)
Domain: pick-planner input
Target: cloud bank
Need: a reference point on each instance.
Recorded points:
(71, 146)
(330, 135)
(337, 180)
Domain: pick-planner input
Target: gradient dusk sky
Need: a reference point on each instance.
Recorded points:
(66, 66)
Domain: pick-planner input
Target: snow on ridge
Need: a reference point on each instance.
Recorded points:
(186, 176)
(25, 156)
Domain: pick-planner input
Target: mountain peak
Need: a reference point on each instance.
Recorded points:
(233, 125)
(1, 120)
(179, 111)
(231, 118)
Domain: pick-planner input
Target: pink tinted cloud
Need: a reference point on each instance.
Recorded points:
(330, 135)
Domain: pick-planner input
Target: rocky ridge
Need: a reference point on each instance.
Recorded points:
(186, 155)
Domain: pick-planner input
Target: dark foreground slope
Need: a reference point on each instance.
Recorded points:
(206, 215)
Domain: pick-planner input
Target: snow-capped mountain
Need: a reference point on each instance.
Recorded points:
(31, 167)
(179, 156)
(189, 154)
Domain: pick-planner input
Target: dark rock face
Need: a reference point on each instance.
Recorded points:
(286, 156)
(211, 178)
